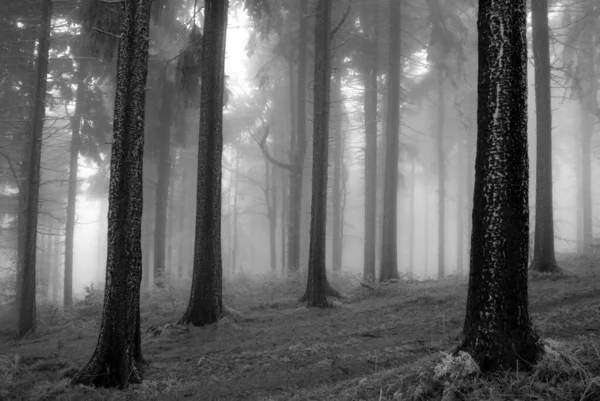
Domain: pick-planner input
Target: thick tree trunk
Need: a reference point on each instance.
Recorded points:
(118, 355)
(163, 175)
(498, 331)
(369, 53)
(338, 162)
(544, 259)
(441, 117)
(389, 251)
(206, 298)
(298, 151)
(317, 286)
(27, 304)
(72, 193)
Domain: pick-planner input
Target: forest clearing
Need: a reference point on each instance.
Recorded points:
(367, 347)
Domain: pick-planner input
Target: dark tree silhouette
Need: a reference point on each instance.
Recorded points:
(544, 259)
(117, 359)
(498, 332)
(206, 298)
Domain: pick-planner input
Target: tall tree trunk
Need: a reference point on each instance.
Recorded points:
(317, 286)
(338, 161)
(118, 355)
(284, 213)
(460, 208)
(544, 259)
(163, 175)
(370, 28)
(72, 193)
(412, 227)
(55, 258)
(498, 332)
(206, 298)
(27, 304)
(298, 151)
(389, 251)
(441, 117)
(234, 239)
(271, 201)
(426, 243)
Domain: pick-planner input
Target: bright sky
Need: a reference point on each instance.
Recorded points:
(235, 60)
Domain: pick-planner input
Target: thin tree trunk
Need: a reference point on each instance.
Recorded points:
(460, 208)
(544, 259)
(234, 239)
(498, 332)
(163, 175)
(412, 227)
(72, 193)
(317, 286)
(271, 201)
(338, 161)
(206, 298)
(389, 251)
(441, 117)
(27, 305)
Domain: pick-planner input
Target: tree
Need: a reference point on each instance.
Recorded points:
(371, 32)
(338, 164)
(317, 286)
(498, 331)
(544, 259)
(389, 251)
(206, 299)
(27, 304)
(117, 358)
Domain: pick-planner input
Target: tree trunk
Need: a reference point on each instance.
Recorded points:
(102, 235)
(72, 193)
(317, 286)
(181, 259)
(234, 239)
(27, 304)
(544, 259)
(389, 251)
(369, 51)
(460, 208)
(163, 175)
(338, 162)
(206, 298)
(298, 151)
(284, 213)
(441, 117)
(118, 355)
(271, 201)
(498, 331)
(412, 227)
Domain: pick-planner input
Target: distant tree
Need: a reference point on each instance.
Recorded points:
(544, 259)
(27, 304)
(317, 287)
(338, 165)
(498, 331)
(389, 250)
(206, 299)
(117, 359)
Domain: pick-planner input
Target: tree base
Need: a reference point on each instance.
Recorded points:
(330, 291)
(110, 372)
(540, 266)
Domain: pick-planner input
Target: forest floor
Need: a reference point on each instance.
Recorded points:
(272, 348)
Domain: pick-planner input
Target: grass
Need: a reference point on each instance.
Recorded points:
(383, 343)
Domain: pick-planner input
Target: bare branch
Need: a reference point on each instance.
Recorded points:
(263, 146)
(339, 25)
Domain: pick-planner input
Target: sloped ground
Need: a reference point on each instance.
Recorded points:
(271, 348)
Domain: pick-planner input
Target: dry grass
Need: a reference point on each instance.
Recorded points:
(381, 343)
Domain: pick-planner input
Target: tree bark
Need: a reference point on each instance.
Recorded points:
(206, 298)
(117, 359)
(72, 192)
(163, 175)
(498, 331)
(441, 117)
(338, 162)
(370, 31)
(389, 251)
(544, 259)
(317, 286)
(271, 201)
(27, 304)
(412, 227)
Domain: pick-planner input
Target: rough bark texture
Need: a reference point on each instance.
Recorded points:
(441, 117)
(498, 332)
(389, 251)
(317, 286)
(370, 32)
(298, 148)
(544, 259)
(72, 194)
(117, 359)
(163, 175)
(27, 304)
(206, 298)
(338, 162)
